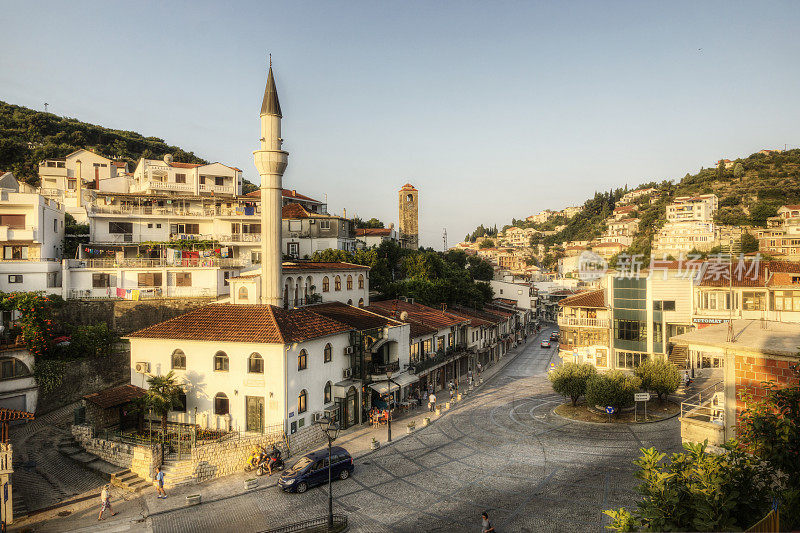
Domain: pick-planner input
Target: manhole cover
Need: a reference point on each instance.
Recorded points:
(65, 513)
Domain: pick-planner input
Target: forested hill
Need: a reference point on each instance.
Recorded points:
(749, 192)
(28, 136)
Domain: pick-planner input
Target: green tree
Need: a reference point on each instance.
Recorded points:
(738, 170)
(659, 376)
(372, 223)
(613, 388)
(163, 395)
(570, 379)
(93, 341)
(488, 243)
(480, 269)
(749, 243)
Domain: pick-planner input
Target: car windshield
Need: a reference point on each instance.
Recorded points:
(301, 464)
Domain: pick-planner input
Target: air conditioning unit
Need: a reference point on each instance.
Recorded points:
(347, 373)
(348, 350)
(142, 367)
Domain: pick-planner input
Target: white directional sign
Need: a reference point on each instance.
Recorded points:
(641, 397)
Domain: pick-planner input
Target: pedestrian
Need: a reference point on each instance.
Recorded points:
(480, 368)
(432, 402)
(159, 478)
(105, 502)
(486, 524)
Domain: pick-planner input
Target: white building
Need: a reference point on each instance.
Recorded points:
(18, 388)
(690, 225)
(522, 293)
(630, 196)
(32, 236)
(153, 176)
(693, 208)
(369, 237)
(305, 232)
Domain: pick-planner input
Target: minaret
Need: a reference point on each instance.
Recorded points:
(271, 163)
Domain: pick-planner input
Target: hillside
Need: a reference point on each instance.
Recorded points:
(749, 192)
(28, 136)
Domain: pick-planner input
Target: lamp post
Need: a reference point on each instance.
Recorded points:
(331, 430)
(389, 393)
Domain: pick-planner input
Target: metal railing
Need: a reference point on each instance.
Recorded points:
(241, 237)
(140, 262)
(707, 405)
(382, 368)
(769, 524)
(312, 524)
(585, 322)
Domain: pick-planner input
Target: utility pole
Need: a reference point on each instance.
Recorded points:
(444, 238)
(730, 291)
(45, 107)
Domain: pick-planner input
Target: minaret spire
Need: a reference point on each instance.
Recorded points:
(271, 161)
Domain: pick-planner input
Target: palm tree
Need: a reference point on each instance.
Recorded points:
(163, 396)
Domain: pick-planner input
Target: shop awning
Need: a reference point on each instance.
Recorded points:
(382, 387)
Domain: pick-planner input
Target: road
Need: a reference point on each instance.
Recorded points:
(501, 451)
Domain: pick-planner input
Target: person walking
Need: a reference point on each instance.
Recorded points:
(159, 478)
(486, 524)
(105, 502)
(432, 402)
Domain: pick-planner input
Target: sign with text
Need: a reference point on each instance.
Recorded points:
(641, 397)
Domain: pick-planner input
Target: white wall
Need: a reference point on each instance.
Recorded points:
(11, 390)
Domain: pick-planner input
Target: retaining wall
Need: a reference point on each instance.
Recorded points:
(141, 459)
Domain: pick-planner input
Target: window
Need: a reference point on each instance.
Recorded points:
(326, 284)
(150, 226)
(13, 221)
(180, 178)
(183, 279)
(630, 330)
(219, 181)
(658, 332)
(439, 343)
(630, 359)
(302, 402)
(349, 282)
(242, 294)
(15, 252)
(669, 305)
(158, 226)
(361, 281)
(328, 353)
(324, 224)
(149, 279)
(120, 227)
(337, 283)
(413, 352)
(302, 360)
(255, 364)
(328, 392)
(753, 301)
(786, 301)
(221, 404)
(179, 360)
(202, 180)
(292, 249)
(15, 278)
(427, 346)
(180, 407)
(12, 368)
(55, 226)
(226, 275)
(220, 362)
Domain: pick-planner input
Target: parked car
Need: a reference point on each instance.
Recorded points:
(312, 469)
(545, 343)
(554, 336)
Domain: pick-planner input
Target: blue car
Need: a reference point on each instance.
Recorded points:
(312, 469)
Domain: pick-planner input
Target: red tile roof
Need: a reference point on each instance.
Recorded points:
(286, 193)
(115, 396)
(417, 313)
(245, 323)
(371, 232)
(356, 318)
(407, 187)
(184, 165)
(294, 210)
(624, 209)
(119, 164)
(585, 299)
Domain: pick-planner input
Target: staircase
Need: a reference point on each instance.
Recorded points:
(121, 477)
(178, 473)
(679, 356)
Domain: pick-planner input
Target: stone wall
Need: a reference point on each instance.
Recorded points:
(126, 316)
(86, 376)
(306, 439)
(141, 459)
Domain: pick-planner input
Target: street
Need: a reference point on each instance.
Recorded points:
(501, 451)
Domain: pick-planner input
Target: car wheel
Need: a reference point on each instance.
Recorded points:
(302, 487)
(344, 474)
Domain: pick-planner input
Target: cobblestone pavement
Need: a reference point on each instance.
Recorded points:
(501, 450)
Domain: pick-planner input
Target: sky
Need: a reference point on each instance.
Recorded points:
(492, 110)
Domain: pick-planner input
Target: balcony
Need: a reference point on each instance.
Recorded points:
(150, 210)
(216, 189)
(12, 233)
(138, 262)
(169, 186)
(383, 368)
(241, 237)
(191, 237)
(145, 293)
(583, 322)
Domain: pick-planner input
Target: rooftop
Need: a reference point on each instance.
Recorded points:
(115, 396)
(373, 232)
(766, 337)
(585, 299)
(355, 317)
(303, 266)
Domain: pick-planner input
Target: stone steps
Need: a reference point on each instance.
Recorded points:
(128, 480)
(178, 473)
(121, 477)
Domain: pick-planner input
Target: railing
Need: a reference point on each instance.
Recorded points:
(138, 262)
(241, 237)
(585, 322)
(383, 368)
(440, 357)
(222, 189)
(769, 524)
(151, 210)
(21, 233)
(169, 186)
(191, 237)
(313, 524)
(707, 405)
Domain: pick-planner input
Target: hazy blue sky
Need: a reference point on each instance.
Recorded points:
(493, 110)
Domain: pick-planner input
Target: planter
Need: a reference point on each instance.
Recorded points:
(426, 421)
(458, 397)
(250, 484)
(375, 445)
(446, 405)
(193, 499)
(409, 429)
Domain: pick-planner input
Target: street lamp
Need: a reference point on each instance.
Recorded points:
(390, 395)
(331, 430)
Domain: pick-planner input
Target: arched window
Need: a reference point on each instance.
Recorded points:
(220, 362)
(178, 360)
(361, 281)
(221, 404)
(361, 302)
(255, 364)
(337, 283)
(409, 198)
(302, 360)
(12, 367)
(302, 402)
(328, 389)
(349, 282)
(242, 294)
(326, 284)
(328, 353)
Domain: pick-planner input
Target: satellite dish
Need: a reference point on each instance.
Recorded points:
(404, 316)
(168, 159)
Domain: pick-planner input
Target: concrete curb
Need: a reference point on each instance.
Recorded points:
(670, 417)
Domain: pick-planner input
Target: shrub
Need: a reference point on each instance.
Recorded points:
(614, 388)
(570, 379)
(659, 376)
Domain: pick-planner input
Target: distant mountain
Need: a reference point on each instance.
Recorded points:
(28, 136)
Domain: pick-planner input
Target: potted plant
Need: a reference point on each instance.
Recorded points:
(410, 427)
(374, 444)
(426, 421)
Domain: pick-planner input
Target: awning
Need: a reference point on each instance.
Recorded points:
(402, 380)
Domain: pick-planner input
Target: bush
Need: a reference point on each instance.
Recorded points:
(570, 379)
(614, 388)
(659, 376)
(92, 341)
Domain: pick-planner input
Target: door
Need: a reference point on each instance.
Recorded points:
(318, 473)
(255, 413)
(352, 407)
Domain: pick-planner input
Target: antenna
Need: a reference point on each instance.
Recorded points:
(45, 107)
(444, 238)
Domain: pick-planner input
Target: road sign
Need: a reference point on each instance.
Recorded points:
(641, 397)
(610, 410)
